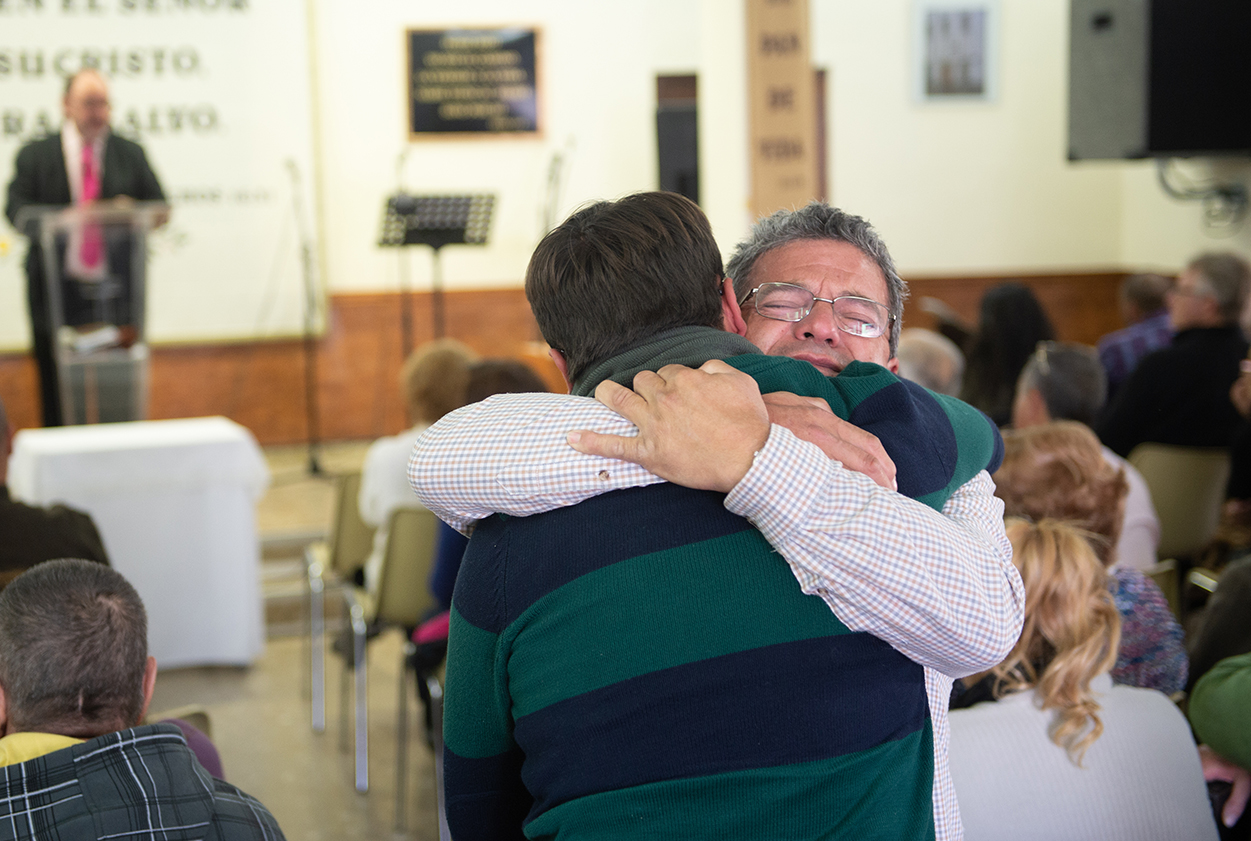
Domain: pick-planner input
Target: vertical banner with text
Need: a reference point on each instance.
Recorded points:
(218, 93)
(781, 112)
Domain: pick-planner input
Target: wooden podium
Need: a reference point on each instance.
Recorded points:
(97, 322)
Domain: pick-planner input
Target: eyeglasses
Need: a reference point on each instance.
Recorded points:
(856, 316)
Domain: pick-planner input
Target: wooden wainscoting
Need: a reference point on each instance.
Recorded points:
(1082, 307)
(261, 384)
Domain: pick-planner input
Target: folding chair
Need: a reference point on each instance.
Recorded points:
(1188, 488)
(403, 598)
(332, 563)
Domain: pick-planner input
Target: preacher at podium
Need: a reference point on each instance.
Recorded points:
(84, 163)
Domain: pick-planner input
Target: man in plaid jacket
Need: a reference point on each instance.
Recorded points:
(75, 681)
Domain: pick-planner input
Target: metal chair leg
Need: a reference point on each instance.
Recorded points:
(436, 725)
(401, 734)
(316, 641)
(362, 697)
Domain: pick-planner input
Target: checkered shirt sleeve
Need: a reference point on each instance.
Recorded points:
(941, 588)
(508, 455)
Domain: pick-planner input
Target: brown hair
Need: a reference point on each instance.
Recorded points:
(501, 376)
(616, 273)
(434, 378)
(1071, 632)
(1057, 470)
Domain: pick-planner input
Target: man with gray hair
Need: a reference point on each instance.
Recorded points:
(1144, 307)
(816, 285)
(75, 683)
(1065, 381)
(1180, 394)
(931, 359)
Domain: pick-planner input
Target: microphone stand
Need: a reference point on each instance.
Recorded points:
(311, 403)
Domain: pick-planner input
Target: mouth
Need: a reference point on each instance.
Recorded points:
(825, 364)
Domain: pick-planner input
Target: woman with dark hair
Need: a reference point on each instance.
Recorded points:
(1011, 325)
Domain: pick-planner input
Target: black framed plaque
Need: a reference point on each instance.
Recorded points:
(472, 82)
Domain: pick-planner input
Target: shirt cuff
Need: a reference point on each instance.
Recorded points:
(786, 475)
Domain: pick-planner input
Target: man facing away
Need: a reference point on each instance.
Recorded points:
(75, 681)
(1144, 306)
(1180, 394)
(32, 534)
(939, 588)
(1065, 381)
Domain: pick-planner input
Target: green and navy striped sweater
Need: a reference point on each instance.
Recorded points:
(643, 665)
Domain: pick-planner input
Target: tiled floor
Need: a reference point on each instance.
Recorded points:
(260, 715)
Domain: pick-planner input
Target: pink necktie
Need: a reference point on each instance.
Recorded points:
(93, 238)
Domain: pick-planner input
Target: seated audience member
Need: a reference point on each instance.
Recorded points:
(1144, 308)
(1220, 712)
(930, 359)
(433, 380)
(1180, 394)
(1063, 381)
(487, 378)
(1061, 752)
(30, 535)
(1057, 471)
(1011, 325)
(1225, 630)
(75, 681)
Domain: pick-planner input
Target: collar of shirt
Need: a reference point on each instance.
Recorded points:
(17, 748)
(72, 149)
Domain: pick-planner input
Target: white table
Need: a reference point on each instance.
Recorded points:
(175, 503)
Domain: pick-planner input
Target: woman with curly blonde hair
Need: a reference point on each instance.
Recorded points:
(1061, 752)
(1071, 629)
(1057, 470)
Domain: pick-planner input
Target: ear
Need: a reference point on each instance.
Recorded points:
(558, 359)
(4, 713)
(892, 365)
(732, 320)
(1029, 409)
(149, 685)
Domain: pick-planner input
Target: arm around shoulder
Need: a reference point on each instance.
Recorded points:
(940, 587)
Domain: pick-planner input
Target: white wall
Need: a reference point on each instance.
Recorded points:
(597, 77)
(980, 187)
(985, 187)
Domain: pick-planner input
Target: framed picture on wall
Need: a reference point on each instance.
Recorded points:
(955, 49)
(472, 83)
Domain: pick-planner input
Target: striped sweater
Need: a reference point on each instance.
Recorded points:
(644, 665)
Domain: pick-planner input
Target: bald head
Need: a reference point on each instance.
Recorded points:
(86, 103)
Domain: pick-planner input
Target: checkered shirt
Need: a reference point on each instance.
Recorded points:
(940, 588)
(142, 783)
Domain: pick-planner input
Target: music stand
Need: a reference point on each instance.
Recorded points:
(435, 221)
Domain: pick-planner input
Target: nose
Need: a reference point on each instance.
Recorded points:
(820, 325)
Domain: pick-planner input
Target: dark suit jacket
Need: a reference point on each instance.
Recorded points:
(33, 535)
(39, 177)
(1179, 394)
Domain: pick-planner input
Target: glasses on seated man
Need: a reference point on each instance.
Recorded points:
(854, 315)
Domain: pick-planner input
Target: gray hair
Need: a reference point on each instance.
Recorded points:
(1227, 277)
(1070, 379)
(73, 649)
(819, 221)
(930, 359)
